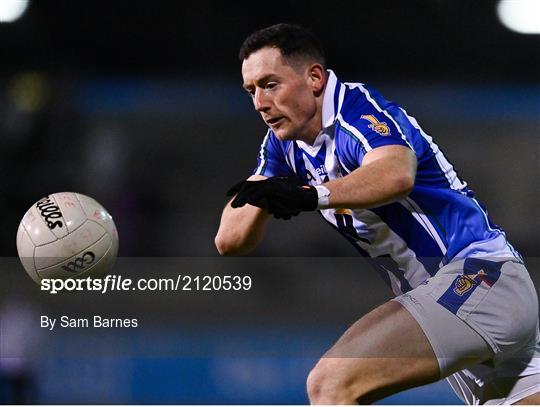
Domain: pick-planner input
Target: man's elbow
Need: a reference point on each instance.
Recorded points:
(223, 247)
(404, 184)
(227, 246)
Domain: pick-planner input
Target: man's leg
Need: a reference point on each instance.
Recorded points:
(533, 400)
(383, 353)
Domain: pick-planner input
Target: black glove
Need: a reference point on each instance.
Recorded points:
(282, 197)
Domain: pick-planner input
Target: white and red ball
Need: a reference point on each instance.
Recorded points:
(67, 235)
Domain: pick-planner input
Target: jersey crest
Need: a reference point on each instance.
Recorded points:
(464, 284)
(380, 127)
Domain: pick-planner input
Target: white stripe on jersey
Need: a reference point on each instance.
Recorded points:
(353, 130)
(329, 109)
(423, 220)
(446, 167)
(316, 180)
(344, 166)
(289, 156)
(383, 111)
(340, 98)
(502, 232)
(486, 219)
(387, 242)
(330, 164)
(328, 113)
(262, 154)
(330, 161)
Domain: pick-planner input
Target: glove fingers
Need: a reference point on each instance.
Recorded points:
(245, 186)
(279, 196)
(236, 188)
(285, 216)
(243, 191)
(238, 201)
(250, 196)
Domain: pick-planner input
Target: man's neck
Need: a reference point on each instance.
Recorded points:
(315, 126)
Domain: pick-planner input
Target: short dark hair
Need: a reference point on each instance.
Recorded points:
(291, 39)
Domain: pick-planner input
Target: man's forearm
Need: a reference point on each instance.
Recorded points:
(240, 230)
(376, 183)
(387, 174)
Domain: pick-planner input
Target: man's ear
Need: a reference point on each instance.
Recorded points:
(317, 78)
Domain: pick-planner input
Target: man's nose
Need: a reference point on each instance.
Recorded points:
(261, 101)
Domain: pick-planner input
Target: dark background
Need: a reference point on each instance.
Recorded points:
(417, 39)
(139, 105)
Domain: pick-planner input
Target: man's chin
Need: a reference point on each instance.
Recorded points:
(283, 135)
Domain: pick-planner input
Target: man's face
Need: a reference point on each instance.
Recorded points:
(283, 94)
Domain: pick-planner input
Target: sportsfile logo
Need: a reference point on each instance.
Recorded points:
(182, 282)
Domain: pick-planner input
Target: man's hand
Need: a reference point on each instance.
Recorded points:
(282, 197)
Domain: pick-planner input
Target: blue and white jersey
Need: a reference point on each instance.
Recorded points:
(411, 239)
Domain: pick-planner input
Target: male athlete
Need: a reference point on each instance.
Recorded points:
(465, 306)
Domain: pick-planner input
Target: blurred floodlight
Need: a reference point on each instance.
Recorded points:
(12, 10)
(522, 16)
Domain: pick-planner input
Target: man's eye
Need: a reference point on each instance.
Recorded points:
(270, 85)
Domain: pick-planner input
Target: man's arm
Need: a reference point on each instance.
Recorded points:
(387, 174)
(241, 229)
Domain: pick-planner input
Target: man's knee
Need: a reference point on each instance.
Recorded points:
(323, 385)
(365, 380)
(329, 383)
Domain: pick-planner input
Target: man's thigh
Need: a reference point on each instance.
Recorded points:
(493, 319)
(399, 345)
(423, 338)
(384, 352)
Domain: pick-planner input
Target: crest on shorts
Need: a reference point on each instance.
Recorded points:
(380, 127)
(463, 284)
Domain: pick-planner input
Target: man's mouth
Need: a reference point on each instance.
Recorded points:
(274, 120)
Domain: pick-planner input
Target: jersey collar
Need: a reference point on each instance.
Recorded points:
(332, 99)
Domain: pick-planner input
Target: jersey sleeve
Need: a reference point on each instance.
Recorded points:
(271, 160)
(349, 150)
(378, 129)
(366, 132)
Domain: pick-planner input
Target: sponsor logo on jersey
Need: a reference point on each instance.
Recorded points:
(321, 172)
(380, 127)
(463, 285)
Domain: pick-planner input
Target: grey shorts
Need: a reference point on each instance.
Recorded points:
(482, 308)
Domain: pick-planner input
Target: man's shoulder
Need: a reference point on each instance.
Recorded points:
(367, 110)
(364, 120)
